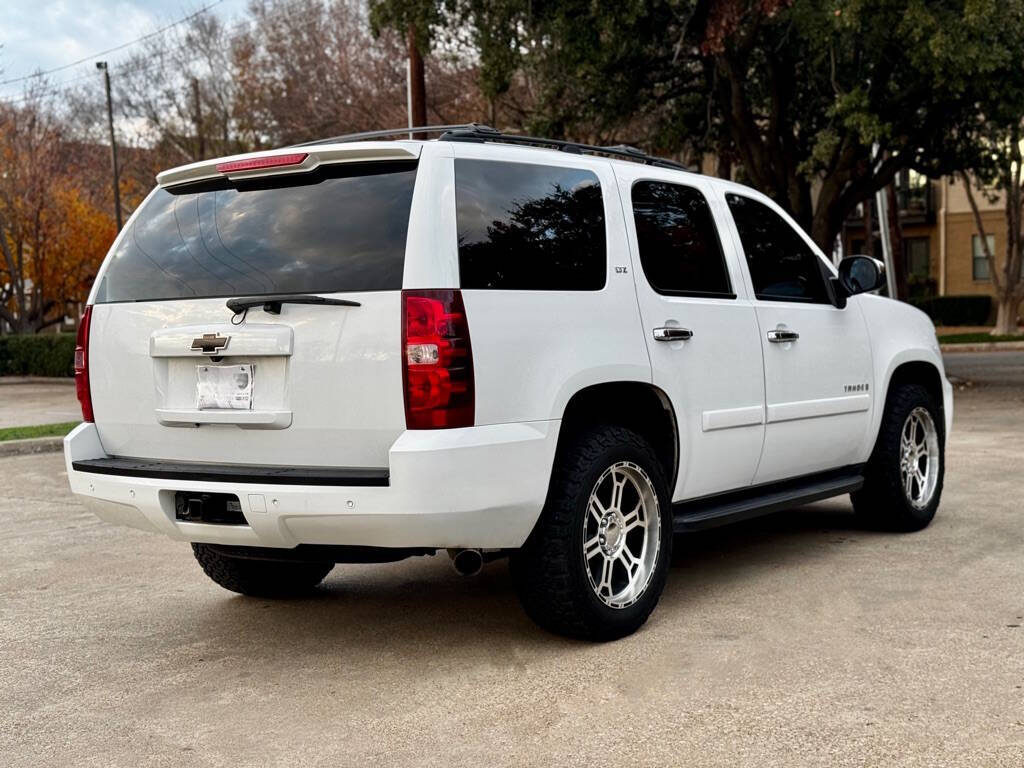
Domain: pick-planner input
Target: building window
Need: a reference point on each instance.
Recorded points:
(912, 192)
(979, 262)
(915, 250)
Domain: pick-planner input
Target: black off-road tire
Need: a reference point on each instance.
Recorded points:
(549, 571)
(259, 578)
(882, 504)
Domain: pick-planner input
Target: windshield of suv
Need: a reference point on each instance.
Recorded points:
(339, 228)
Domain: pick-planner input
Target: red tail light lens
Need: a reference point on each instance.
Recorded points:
(82, 365)
(437, 360)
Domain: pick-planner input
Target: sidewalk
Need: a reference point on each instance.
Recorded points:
(28, 401)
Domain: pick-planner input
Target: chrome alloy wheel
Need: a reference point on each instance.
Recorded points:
(919, 458)
(621, 534)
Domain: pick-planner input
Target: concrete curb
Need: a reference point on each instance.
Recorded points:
(68, 380)
(31, 446)
(984, 346)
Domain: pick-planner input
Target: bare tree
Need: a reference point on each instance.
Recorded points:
(181, 87)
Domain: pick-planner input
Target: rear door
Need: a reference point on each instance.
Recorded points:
(700, 328)
(817, 357)
(176, 375)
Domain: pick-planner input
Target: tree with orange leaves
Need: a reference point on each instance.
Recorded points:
(53, 235)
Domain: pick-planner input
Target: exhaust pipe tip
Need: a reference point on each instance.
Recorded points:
(467, 562)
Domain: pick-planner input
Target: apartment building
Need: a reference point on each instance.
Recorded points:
(942, 249)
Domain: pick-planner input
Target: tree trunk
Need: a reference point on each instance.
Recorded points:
(869, 230)
(724, 170)
(417, 85)
(1006, 315)
(1009, 288)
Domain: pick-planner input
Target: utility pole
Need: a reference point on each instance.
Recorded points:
(417, 97)
(102, 65)
(885, 233)
(198, 118)
(896, 238)
(408, 94)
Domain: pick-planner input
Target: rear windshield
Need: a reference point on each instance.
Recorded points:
(339, 228)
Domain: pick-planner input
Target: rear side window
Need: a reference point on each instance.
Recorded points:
(529, 227)
(339, 228)
(679, 247)
(782, 266)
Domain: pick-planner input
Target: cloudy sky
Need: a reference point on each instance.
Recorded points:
(44, 34)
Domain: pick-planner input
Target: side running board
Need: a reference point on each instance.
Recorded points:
(733, 507)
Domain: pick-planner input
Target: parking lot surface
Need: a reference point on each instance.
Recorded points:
(793, 640)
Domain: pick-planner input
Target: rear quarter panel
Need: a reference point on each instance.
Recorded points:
(533, 350)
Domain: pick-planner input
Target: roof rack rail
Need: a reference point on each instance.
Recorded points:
(477, 132)
(483, 133)
(395, 132)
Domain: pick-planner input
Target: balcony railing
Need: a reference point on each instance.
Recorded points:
(916, 205)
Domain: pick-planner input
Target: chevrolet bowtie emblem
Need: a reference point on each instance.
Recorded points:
(209, 342)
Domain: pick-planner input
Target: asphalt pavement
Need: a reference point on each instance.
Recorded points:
(1001, 369)
(788, 641)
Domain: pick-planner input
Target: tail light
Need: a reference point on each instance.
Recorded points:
(438, 360)
(262, 163)
(82, 365)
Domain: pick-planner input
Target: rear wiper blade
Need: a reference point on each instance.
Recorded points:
(273, 302)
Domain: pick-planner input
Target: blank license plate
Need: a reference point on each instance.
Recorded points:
(224, 387)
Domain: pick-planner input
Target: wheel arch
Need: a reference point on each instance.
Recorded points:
(916, 370)
(636, 405)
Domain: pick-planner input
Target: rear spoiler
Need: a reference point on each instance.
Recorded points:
(289, 161)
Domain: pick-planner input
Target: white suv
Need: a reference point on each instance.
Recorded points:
(364, 351)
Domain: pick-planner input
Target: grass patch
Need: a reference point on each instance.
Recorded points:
(43, 430)
(982, 337)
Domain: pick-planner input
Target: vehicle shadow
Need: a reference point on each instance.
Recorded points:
(366, 611)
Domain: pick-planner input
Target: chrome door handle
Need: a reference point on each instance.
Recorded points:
(782, 336)
(672, 334)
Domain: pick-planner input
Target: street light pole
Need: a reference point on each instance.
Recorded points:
(102, 65)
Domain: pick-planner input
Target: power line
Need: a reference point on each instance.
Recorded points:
(66, 87)
(116, 48)
(240, 29)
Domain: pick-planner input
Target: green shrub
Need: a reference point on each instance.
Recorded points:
(48, 354)
(921, 288)
(957, 310)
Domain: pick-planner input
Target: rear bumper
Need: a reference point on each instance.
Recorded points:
(473, 487)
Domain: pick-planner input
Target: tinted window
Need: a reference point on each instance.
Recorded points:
(678, 242)
(341, 228)
(529, 227)
(782, 266)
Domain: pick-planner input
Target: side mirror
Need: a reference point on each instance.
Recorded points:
(860, 274)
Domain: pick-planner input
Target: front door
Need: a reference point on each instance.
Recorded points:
(700, 327)
(817, 357)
